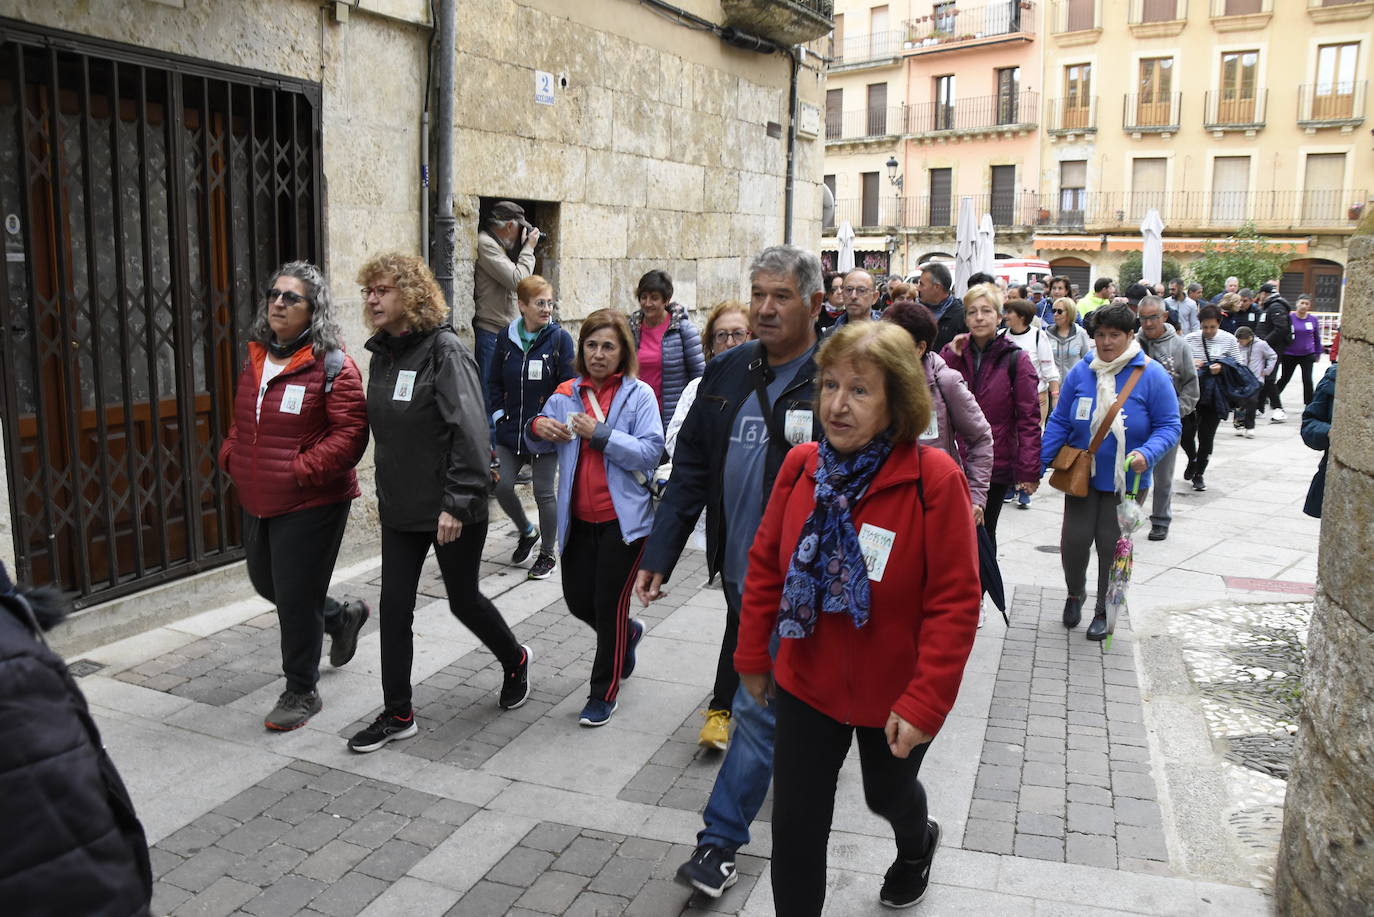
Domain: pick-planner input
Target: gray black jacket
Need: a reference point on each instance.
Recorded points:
(682, 357)
(1172, 352)
(433, 451)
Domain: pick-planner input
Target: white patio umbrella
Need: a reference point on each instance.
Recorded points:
(845, 235)
(987, 253)
(965, 246)
(1152, 250)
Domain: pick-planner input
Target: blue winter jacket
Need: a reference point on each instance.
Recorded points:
(514, 395)
(1150, 414)
(683, 360)
(631, 442)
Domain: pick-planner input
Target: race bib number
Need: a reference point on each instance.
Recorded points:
(876, 545)
(932, 430)
(292, 399)
(405, 385)
(535, 371)
(797, 427)
(1084, 410)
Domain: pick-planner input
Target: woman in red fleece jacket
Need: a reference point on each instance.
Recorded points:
(866, 567)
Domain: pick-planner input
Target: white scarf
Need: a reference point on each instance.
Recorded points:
(1106, 397)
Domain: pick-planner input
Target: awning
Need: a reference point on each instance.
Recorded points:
(1134, 244)
(1067, 243)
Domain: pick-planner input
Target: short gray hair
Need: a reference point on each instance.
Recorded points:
(1151, 301)
(790, 261)
(325, 334)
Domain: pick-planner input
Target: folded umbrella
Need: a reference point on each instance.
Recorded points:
(990, 574)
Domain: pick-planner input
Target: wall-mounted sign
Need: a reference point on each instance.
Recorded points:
(543, 87)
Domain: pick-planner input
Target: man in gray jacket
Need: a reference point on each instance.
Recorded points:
(497, 271)
(1162, 344)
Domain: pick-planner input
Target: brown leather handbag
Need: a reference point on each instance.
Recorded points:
(1073, 467)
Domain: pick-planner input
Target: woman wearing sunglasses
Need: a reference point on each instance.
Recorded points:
(300, 426)
(1070, 342)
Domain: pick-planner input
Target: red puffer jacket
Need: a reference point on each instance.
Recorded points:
(288, 460)
(909, 656)
(1007, 388)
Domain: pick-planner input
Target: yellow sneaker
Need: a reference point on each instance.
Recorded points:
(716, 732)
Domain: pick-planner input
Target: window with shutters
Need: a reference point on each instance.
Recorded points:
(941, 194)
(877, 109)
(1148, 174)
(1322, 194)
(1008, 91)
(834, 113)
(1073, 190)
(869, 216)
(1230, 188)
(1003, 198)
(944, 103)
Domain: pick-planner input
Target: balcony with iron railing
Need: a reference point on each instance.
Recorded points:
(993, 21)
(1339, 10)
(1227, 110)
(785, 22)
(1240, 15)
(1074, 22)
(868, 50)
(1016, 209)
(1156, 18)
(1337, 104)
(1003, 113)
(870, 213)
(1157, 113)
(1067, 117)
(865, 124)
(1201, 211)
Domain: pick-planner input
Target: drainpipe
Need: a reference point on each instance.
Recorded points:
(793, 110)
(445, 225)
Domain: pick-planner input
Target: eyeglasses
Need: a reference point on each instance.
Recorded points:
(1151, 318)
(857, 291)
(545, 303)
(286, 296)
(380, 291)
(1058, 311)
(737, 337)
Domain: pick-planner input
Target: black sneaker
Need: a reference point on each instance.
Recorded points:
(711, 870)
(526, 544)
(515, 689)
(636, 635)
(906, 881)
(293, 710)
(343, 643)
(384, 728)
(543, 565)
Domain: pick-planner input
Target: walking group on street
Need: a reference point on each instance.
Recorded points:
(834, 460)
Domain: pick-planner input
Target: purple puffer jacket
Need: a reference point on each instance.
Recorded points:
(1011, 409)
(959, 426)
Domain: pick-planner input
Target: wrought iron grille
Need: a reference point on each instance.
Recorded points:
(146, 199)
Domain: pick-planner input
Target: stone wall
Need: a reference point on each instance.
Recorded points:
(1326, 865)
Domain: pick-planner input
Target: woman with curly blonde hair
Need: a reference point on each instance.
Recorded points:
(433, 458)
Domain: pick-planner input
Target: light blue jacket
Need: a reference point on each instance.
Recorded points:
(1150, 413)
(631, 443)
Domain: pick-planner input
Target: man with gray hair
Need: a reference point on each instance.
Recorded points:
(754, 404)
(505, 256)
(1162, 344)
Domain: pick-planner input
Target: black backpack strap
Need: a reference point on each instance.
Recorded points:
(333, 365)
(760, 373)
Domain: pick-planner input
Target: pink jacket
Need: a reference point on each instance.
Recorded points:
(1007, 388)
(959, 426)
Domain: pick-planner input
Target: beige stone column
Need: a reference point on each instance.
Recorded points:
(1326, 862)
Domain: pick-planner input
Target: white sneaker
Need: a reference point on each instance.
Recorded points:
(1249, 434)
(1240, 431)
(1278, 416)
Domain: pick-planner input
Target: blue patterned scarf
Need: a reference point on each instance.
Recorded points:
(827, 569)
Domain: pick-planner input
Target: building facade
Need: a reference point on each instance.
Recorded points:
(158, 158)
(1068, 120)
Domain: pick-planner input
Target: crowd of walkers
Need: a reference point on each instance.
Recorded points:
(832, 445)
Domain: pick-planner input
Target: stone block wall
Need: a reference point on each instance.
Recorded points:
(1326, 864)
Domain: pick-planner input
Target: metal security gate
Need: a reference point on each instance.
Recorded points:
(145, 202)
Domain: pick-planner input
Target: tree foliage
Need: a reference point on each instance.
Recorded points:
(1131, 269)
(1247, 256)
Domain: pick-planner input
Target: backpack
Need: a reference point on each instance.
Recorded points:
(333, 365)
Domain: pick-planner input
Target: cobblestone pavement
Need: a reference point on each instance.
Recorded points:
(1043, 776)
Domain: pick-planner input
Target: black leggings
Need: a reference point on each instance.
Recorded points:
(290, 560)
(808, 751)
(1199, 430)
(598, 572)
(1304, 363)
(727, 679)
(403, 556)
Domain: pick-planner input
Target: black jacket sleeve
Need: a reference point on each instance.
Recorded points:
(460, 403)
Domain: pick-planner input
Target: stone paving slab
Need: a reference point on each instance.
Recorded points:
(1065, 768)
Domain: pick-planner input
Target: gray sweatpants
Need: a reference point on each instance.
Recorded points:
(1163, 489)
(545, 466)
(1089, 521)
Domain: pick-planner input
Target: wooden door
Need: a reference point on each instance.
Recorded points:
(1155, 92)
(1334, 93)
(1239, 78)
(1077, 96)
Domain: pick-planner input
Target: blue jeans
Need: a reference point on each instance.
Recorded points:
(743, 779)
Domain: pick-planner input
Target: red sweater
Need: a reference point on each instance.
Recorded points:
(287, 461)
(909, 657)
